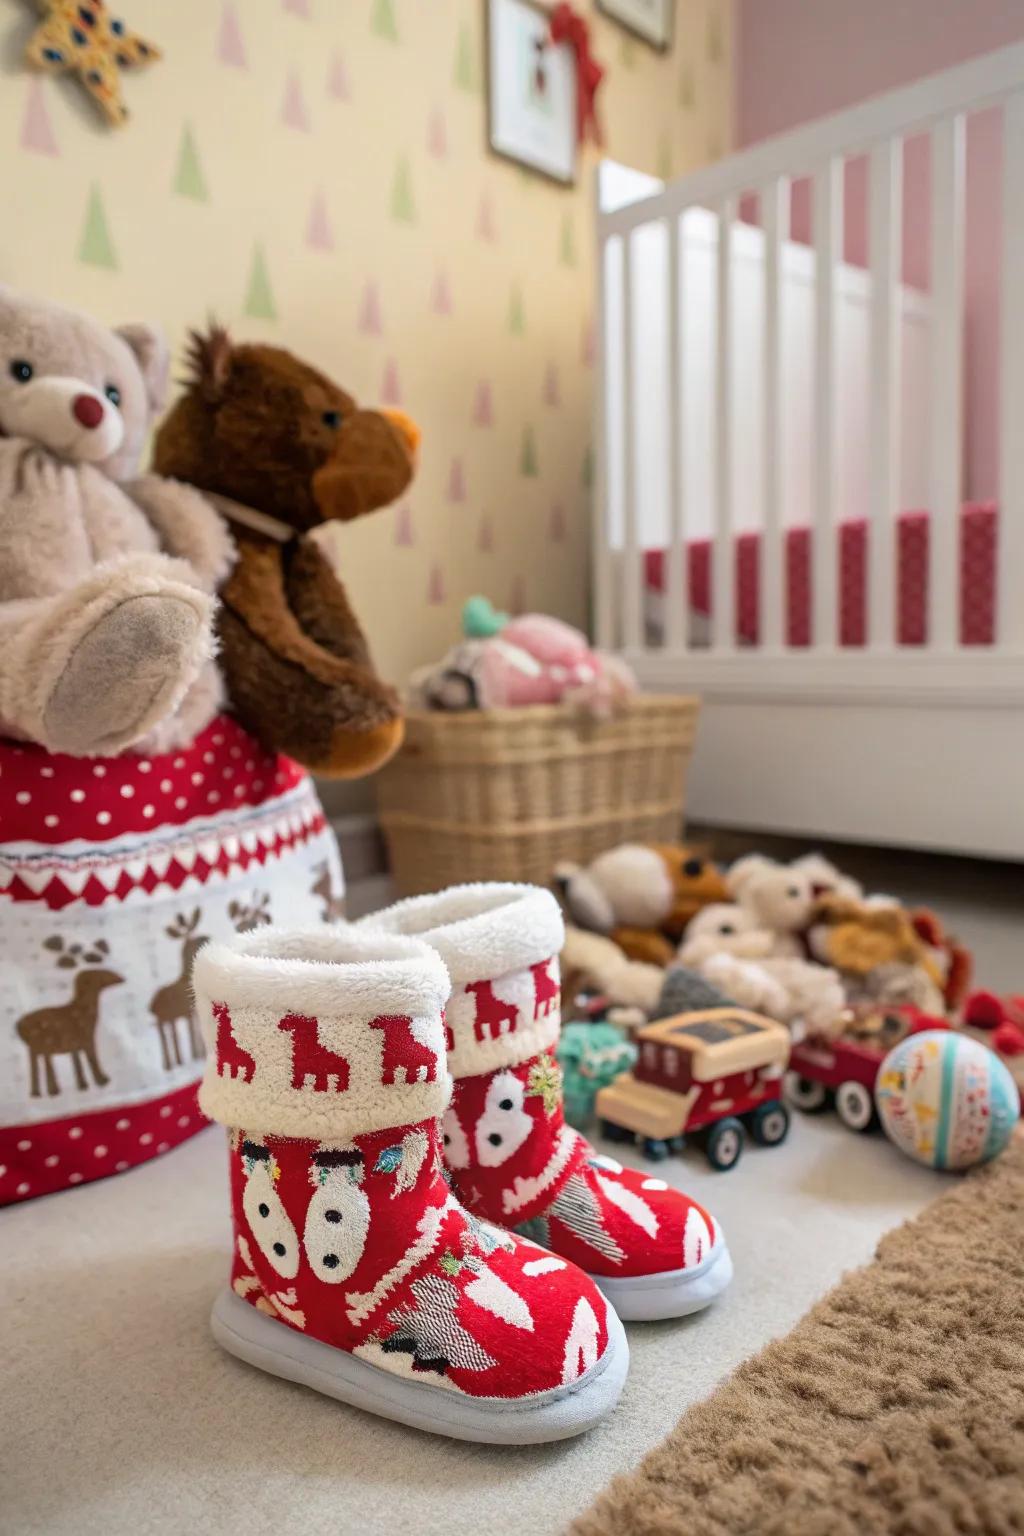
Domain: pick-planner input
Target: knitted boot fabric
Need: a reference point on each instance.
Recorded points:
(513, 1160)
(327, 1063)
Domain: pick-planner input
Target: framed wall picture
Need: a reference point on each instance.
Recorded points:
(531, 90)
(652, 20)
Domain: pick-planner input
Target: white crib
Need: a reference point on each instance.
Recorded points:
(779, 518)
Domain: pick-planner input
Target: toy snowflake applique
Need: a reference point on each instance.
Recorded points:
(81, 37)
(545, 1081)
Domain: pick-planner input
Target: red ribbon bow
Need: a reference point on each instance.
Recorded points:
(568, 27)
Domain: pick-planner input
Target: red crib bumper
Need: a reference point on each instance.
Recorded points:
(977, 565)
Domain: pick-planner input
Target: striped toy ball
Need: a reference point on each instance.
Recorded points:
(946, 1100)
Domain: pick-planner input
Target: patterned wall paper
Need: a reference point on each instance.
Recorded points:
(315, 173)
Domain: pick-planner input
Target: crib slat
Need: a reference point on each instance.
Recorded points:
(605, 627)
(723, 563)
(946, 421)
(677, 581)
(632, 614)
(884, 392)
(828, 246)
(774, 217)
(1010, 553)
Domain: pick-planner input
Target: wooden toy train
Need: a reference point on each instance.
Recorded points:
(716, 1071)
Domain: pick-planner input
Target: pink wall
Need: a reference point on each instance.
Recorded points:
(801, 59)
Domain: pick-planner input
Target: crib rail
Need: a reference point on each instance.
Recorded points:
(938, 107)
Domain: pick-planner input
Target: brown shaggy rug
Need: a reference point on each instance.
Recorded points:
(895, 1406)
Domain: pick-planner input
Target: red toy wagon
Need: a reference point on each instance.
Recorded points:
(845, 1069)
(717, 1070)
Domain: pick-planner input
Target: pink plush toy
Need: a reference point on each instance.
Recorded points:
(534, 659)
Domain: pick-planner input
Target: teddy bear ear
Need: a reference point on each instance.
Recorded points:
(153, 357)
(209, 357)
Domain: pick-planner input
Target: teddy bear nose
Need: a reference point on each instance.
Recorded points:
(88, 410)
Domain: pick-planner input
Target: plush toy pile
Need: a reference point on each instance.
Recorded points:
(656, 929)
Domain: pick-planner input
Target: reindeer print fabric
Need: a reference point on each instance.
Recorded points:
(512, 1158)
(113, 875)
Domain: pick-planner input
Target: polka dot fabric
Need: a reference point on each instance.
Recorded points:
(113, 873)
(977, 551)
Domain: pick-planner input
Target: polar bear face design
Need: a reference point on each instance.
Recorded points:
(268, 1220)
(504, 1124)
(337, 1217)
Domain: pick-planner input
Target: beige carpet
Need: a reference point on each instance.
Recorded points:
(896, 1406)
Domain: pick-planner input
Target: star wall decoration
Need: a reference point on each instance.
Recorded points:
(81, 37)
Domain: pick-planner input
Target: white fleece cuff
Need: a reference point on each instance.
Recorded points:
(321, 1033)
(500, 944)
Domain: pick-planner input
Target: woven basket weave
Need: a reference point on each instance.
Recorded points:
(505, 794)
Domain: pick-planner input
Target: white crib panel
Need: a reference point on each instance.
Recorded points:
(698, 381)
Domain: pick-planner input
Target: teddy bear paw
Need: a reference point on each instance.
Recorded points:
(128, 672)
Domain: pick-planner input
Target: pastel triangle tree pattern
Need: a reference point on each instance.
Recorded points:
(403, 205)
(552, 391)
(294, 113)
(467, 75)
(338, 84)
(516, 312)
(404, 537)
(382, 22)
(435, 586)
(528, 465)
(189, 180)
(37, 135)
(567, 244)
(319, 234)
(437, 135)
(716, 42)
(588, 343)
(96, 248)
(483, 405)
(370, 319)
(230, 44)
(485, 226)
(441, 295)
(456, 481)
(259, 297)
(391, 389)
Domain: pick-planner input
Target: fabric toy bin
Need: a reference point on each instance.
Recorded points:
(113, 872)
(505, 794)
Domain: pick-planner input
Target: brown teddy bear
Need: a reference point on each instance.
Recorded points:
(107, 581)
(280, 449)
(642, 895)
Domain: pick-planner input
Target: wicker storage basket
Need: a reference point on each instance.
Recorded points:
(505, 794)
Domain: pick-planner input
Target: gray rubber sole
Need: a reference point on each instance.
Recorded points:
(675, 1293)
(272, 1346)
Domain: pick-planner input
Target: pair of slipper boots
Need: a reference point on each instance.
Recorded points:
(417, 1231)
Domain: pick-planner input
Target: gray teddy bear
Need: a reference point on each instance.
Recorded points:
(107, 581)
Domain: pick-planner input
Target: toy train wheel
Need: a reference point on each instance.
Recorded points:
(855, 1106)
(676, 1143)
(805, 1093)
(725, 1143)
(612, 1132)
(654, 1148)
(769, 1124)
